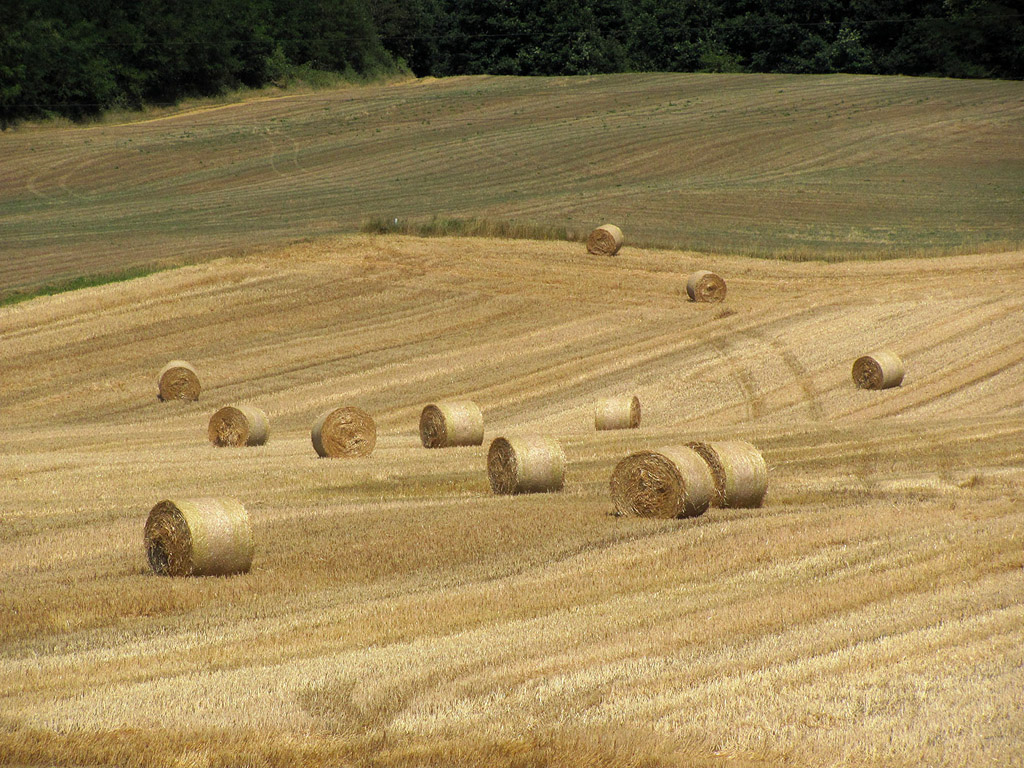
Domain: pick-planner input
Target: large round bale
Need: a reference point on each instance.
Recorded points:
(199, 537)
(529, 464)
(705, 286)
(238, 425)
(739, 472)
(617, 413)
(450, 424)
(346, 432)
(178, 380)
(671, 482)
(879, 370)
(605, 240)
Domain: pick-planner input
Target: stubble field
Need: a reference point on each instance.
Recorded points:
(871, 613)
(807, 167)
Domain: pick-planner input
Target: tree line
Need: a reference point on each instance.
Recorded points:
(76, 58)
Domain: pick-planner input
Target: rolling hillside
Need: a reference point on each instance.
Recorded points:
(871, 613)
(802, 166)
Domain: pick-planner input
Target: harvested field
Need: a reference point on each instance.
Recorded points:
(871, 613)
(804, 166)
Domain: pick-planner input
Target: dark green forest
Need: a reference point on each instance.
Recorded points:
(77, 58)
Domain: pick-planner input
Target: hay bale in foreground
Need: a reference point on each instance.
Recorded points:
(705, 286)
(238, 425)
(879, 370)
(533, 464)
(199, 537)
(617, 413)
(605, 240)
(344, 432)
(739, 472)
(454, 423)
(178, 380)
(671, 482)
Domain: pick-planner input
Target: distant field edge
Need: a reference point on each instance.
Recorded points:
(11, 296)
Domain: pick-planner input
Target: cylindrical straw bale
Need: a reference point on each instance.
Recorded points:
(705, 286)
(532, 464)
(238, 425)
(444, 425)
(178, 381)
(344, 432)
(670, 482)
(605, 240)
(879, 370)
(617, 413)
(199, 537)
(739, 472)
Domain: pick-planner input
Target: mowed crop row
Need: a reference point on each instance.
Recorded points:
(793, 165)
(397, 612)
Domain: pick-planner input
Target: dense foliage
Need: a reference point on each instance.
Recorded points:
(78, 57)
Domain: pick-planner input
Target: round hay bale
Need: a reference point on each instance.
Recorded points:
(705, 286)
(445, 425)
(879, 370)
(671, 482)
(178, 381)
(533, 464)
(344, 432)
(617, 413)
(238, 425)
(739, 472)
(199, 537)
(605, 240)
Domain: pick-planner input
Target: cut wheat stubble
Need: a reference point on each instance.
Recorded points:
(617, 413)
(199, 537)
(451, 424)
(605, 240)
(235, 426)
(879, 370)
(671, 482)
(178, 380)
(345, 432)
(705, 286)
(528, 464)
(739, 472)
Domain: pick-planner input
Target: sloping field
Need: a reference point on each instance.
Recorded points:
(871, 613)
(773, 164)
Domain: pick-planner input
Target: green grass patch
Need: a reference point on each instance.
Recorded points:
(442, 226)
(75, 283)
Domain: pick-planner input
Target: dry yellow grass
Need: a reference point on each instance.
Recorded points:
(397, 613)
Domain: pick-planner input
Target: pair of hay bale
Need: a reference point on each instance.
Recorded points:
(879, 370)
(684, 480)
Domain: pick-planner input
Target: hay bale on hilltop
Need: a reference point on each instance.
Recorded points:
(199, 537)
(605, 240)
(450, 424)
(705, 286)
(671, 482)
(344, 432)
(617, 413)
(238, 425)
(879, 370)
(178, 380)
(533, 464)
(739, 472)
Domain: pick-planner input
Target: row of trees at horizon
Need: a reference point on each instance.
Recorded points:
(76, 58)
